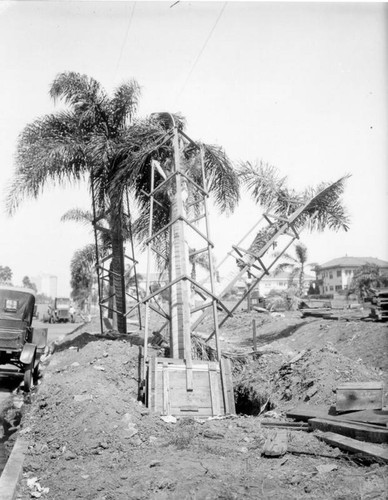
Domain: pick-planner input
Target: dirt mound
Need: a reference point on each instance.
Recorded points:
(273, 382)
(90, 438)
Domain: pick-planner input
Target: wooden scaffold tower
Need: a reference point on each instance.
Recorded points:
(280, 231)
(113, 310)
(180, 384)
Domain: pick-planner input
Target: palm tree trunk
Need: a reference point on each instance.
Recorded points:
(118, 264)
(180, 292)
(180, 338)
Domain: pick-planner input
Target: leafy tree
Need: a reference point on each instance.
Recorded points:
(367, 278)
(296, 267)
(27, 283)
(83, 275)
(5, 275)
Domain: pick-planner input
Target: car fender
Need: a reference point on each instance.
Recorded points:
(39, 338)
(28, 353)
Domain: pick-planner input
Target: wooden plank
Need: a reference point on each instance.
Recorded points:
(276, 444)
(377, 417)
(254, 337)
(359, 396)
(177, 380)
(181, 397)
(362, 432)
(355, 446)
(166, 391)
(290, 425)
(215, 394)
(152, 383)
(227, 386)
(305, 412)
(374, 385)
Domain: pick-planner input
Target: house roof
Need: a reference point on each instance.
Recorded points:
(285, 276)
(353, 262)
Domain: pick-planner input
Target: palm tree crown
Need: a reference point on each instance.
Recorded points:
(295, 265)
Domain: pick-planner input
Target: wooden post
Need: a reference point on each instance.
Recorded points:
(254, 335)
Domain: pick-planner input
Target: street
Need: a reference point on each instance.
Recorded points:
(10, 378)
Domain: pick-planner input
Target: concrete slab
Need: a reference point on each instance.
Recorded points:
(12, 472)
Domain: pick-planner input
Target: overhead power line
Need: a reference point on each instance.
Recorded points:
(125, 39)
(203, 48)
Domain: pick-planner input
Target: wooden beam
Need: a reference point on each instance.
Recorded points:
(354, 446)
(362, 432)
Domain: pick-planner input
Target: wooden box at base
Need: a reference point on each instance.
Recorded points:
(211, 395)
(359, 396)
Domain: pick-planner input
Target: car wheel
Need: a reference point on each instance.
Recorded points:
(28, 376)
(35, 374)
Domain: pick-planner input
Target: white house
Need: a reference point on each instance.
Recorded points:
(337, 274)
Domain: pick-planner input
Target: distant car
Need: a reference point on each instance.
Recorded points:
(60, 311)
(20, 344)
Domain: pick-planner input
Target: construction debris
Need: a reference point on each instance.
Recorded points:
(379, 301)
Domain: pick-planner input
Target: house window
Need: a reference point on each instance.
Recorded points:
(331, 288)
(348, 271)
(331, 276)
(338, 287)
(339, 273)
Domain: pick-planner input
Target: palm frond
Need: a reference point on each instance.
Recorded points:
(84, 94)
(301, 253)
(282, 268)
(267, 188)
(124, 103)
(49, 149)
(78, 215)
(222, 178)
(324, 207)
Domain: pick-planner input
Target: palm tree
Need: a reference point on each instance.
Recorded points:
(172, 154)
(270, 191)
(84, 141)
(296, 266)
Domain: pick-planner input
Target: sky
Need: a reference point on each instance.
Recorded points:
(301, 86)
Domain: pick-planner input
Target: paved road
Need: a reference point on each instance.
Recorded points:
(9, 376)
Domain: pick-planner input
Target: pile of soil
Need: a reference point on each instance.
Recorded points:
(90, 438)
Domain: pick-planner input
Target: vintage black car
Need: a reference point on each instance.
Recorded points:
(20, 344)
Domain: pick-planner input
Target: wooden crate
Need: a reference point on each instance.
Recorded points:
(167, 387)
(360, 396)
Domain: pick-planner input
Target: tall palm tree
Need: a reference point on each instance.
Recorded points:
(296, 266)
(169, 152)
(83, 141)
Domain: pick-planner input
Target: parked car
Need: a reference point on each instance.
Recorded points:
(20, 344)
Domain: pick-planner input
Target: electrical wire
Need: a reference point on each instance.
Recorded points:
(125, 39)
(203, 48)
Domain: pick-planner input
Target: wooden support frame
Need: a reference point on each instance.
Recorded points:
(105, 275)
(162, 380)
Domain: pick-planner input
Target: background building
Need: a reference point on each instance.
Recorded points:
(337, 274)
(47, 284)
